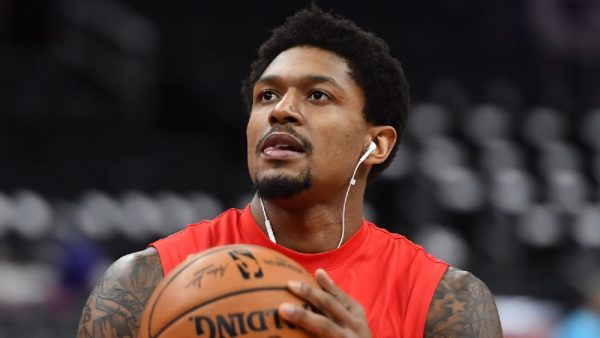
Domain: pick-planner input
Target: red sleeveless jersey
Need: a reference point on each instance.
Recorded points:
(393, 278)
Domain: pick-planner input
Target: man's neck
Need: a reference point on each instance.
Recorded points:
(313, 227)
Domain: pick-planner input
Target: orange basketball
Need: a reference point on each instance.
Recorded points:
(227, 291)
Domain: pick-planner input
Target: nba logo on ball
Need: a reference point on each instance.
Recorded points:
(227, 291)
(246, 263)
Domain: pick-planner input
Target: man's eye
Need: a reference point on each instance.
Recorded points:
(268, 95)
(318, 95)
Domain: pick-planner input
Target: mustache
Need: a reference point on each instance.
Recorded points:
(308, 146)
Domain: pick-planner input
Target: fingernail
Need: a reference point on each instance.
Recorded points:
(287, 309)
(325, 274)
(295, 285)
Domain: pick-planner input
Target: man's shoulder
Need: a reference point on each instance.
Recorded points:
(117, 302)
(227, 218)
(402, 243)
(146, 261)
(226, 228)
(462, 306)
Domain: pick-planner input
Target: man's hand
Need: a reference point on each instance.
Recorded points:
(341, 315)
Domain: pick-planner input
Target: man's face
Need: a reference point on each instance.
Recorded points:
(306, 130)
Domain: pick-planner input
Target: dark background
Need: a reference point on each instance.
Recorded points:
(96, 91)
(142, 96)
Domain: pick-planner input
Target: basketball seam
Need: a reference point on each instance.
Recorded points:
(212, 300)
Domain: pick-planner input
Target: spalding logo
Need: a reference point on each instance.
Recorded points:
(239, 323)
(246, 263)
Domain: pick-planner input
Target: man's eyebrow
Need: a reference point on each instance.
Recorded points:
(323, 78)
(268, 79)
(311, 78)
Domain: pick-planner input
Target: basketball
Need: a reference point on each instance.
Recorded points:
(227, 291)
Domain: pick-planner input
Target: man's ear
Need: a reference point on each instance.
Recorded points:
(384, 138)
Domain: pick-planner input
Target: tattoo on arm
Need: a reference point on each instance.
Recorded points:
(115, 306)
(462, 306)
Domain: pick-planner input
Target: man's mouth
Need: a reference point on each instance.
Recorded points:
(280, 145)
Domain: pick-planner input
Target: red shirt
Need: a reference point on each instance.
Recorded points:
(393, 278)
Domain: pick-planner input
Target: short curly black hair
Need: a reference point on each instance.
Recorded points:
(371, 65)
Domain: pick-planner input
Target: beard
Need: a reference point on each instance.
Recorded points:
(283, 186)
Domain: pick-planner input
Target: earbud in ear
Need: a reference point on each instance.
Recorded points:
(370, 149)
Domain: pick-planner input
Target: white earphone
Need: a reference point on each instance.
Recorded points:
(368, 152)
(370, 149)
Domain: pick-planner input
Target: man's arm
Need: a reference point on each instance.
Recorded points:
(115, 306)
(462, 306)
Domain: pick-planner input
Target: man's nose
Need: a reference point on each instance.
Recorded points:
(287, 110)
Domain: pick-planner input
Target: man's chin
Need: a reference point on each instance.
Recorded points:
(283, 186)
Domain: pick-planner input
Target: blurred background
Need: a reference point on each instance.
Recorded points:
(121, 121)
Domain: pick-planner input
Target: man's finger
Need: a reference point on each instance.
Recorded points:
(318, 325)
(324, 301)
(329, 286)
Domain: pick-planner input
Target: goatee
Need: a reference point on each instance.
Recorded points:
(283, 186)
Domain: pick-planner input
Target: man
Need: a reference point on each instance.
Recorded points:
(328, 106)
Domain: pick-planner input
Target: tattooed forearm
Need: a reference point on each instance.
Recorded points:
(115, 306)
(462, 306)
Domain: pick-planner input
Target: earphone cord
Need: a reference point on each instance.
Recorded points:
(267, 222)
(352, 182)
